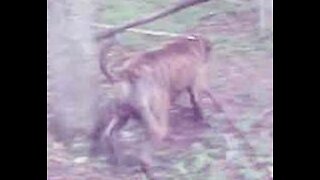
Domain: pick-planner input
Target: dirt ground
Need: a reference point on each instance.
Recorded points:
(239, 143)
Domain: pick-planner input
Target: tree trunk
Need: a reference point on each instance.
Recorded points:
(72, 65)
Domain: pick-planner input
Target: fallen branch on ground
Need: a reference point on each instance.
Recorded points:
(166, 12)
(140, 31)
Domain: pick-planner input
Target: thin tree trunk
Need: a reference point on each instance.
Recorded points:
(265, 15)
(262, 15)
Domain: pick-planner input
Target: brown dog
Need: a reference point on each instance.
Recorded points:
(149, 82)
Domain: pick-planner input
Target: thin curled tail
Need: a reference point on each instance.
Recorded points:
(104, 49)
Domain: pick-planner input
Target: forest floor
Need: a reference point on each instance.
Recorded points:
(239, 143)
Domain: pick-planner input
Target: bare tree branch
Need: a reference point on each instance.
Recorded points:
(184, 4)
